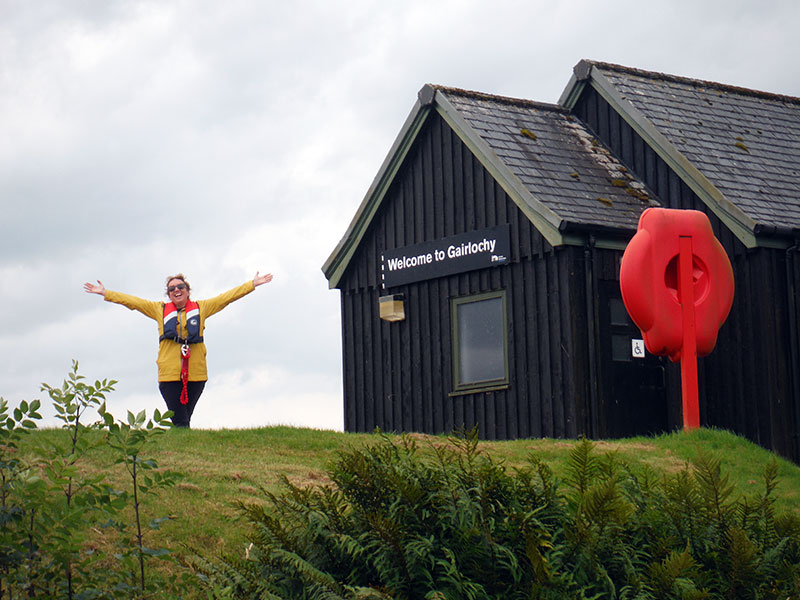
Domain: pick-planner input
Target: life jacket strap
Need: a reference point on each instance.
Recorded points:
(180, 340)
(186, 352)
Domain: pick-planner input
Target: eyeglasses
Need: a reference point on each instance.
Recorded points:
(180, 286)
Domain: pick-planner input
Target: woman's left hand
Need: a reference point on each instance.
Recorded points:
(259, 279)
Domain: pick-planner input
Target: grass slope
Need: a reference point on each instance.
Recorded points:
(218, 469)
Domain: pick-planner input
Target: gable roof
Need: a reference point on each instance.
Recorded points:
(562, 167)
(738, 149)
(564, 180)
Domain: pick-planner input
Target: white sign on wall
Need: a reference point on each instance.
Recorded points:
(637, 348)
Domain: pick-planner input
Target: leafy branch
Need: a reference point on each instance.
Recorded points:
(129, 438)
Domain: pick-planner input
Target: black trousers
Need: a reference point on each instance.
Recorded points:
(171, 392)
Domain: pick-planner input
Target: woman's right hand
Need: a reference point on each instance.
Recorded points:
(91, 288)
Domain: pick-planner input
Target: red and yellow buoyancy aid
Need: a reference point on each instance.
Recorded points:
(192, 337)
(192, 323)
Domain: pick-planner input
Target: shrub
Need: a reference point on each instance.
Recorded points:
(449, 522)
(48, 504)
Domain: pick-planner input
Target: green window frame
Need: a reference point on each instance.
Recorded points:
(480, 342)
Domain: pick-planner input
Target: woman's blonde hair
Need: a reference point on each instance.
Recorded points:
(180, 276)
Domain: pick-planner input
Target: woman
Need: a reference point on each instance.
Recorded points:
(182, 372)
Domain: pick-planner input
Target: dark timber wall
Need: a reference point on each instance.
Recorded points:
(749, 384)
(398, 376)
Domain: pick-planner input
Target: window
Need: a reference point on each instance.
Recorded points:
(480, 341)
(619, 314)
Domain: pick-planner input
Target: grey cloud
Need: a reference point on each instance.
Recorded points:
(143, 138)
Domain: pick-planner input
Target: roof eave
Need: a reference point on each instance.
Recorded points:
(777, 236)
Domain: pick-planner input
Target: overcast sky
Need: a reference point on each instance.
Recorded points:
(140, 139)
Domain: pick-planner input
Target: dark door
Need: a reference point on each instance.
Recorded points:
(632, 379)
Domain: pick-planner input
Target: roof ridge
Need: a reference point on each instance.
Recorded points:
(695, 82)
(498, 98)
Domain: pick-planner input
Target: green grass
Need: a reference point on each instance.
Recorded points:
(742, 460)
(219, 469)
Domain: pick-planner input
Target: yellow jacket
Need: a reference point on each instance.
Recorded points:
(169, 351)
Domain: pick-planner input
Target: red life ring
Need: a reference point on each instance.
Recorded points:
(648, 280)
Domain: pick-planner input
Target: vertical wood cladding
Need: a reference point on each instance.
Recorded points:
(749, 383)
(398, 376)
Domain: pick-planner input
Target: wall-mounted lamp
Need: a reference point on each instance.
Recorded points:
(392, 307)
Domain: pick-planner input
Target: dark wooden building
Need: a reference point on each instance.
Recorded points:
(492, 237)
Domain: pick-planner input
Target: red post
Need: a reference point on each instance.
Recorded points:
(691, 403)
(679, 308)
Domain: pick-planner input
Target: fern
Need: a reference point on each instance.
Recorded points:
(451, 523)
(739, 563)
(767, 535)
(714, 487)
(582, 466)
(673, 576)
(604, 505)
(322, 584)
(366, 593)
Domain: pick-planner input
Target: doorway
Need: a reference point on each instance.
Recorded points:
(633, 380)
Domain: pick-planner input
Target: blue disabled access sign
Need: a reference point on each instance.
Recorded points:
(446, 256)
